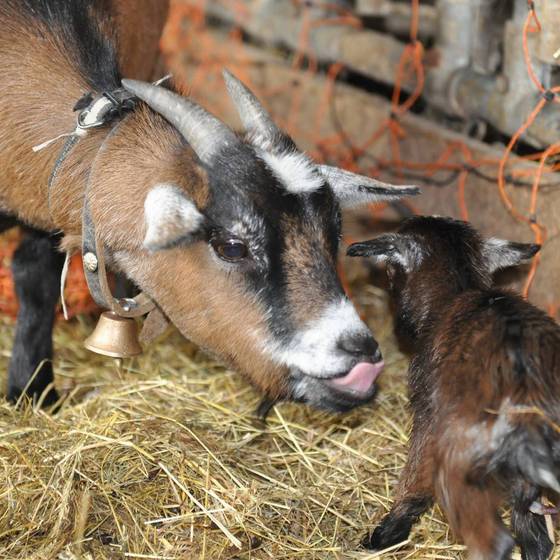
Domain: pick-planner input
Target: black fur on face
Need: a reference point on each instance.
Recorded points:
(431, 260)
(450, 246)
(434, 256)
(248, 202)
(448, 260)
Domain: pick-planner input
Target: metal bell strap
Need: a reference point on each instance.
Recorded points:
(96, 275)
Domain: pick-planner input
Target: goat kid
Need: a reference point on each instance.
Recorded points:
(235, 238)
(484, 387)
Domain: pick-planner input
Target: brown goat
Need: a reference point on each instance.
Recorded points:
(234, 237)
(484, 388)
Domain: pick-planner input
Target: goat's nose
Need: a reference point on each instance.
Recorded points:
(360, 345)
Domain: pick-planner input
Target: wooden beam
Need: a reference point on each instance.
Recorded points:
(282, 24)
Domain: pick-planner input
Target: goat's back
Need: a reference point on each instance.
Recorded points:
(494, 345)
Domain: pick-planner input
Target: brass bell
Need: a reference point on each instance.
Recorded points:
(114, 336)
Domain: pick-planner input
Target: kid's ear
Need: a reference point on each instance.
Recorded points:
(379, 249)
(171, 217)
(499, 253)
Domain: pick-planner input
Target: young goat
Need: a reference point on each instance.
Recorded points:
(484, 389)
(234, 237)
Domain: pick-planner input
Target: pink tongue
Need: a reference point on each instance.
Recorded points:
(360, 378)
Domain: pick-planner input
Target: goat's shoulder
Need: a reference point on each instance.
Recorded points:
(495, 313)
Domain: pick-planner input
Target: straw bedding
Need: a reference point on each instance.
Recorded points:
(164, 459)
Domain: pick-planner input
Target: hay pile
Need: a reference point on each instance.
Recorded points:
(165, 460)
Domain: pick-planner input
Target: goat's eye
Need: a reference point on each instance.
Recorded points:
(231, 250)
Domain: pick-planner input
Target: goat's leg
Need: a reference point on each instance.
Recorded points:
(472, 512)
(414, 496)
(36, 267)
(529, 528)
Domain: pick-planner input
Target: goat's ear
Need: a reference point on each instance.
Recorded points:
(353, 190)
(379, 249)
(499, 253)
(170, 217)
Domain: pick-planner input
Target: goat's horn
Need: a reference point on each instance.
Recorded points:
(205, 133)
(253, 115)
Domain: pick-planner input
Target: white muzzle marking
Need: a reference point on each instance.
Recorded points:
(314, 350)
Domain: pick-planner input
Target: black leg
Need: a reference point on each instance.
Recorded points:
(36, 268)
(529, 528)
(396, 525)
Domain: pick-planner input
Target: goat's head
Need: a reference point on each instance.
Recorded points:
(431, 259)
(238, 245)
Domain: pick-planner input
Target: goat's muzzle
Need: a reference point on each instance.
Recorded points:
(343, 391)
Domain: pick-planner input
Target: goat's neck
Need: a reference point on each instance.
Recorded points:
(40, 85)
(39, 106)
(119, 171)
(65, 198)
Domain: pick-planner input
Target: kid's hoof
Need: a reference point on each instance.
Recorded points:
(369, 542)
(389, 532)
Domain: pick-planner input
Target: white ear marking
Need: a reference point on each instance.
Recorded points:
(295, 171)
(170, 216)
(500, 253)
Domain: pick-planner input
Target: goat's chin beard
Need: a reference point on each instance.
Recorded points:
(270, 381)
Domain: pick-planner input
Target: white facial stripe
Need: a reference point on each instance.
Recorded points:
(169, 216)
(295, 171)
(314, 350)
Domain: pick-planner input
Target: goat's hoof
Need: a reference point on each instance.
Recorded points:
(390, 532)
(48, 399)
(51, 398)
(368, 542)
(376, 540)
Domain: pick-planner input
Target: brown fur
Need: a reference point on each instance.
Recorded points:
(139, 27)
(236, 340)
(37, 94)
(304, 258)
